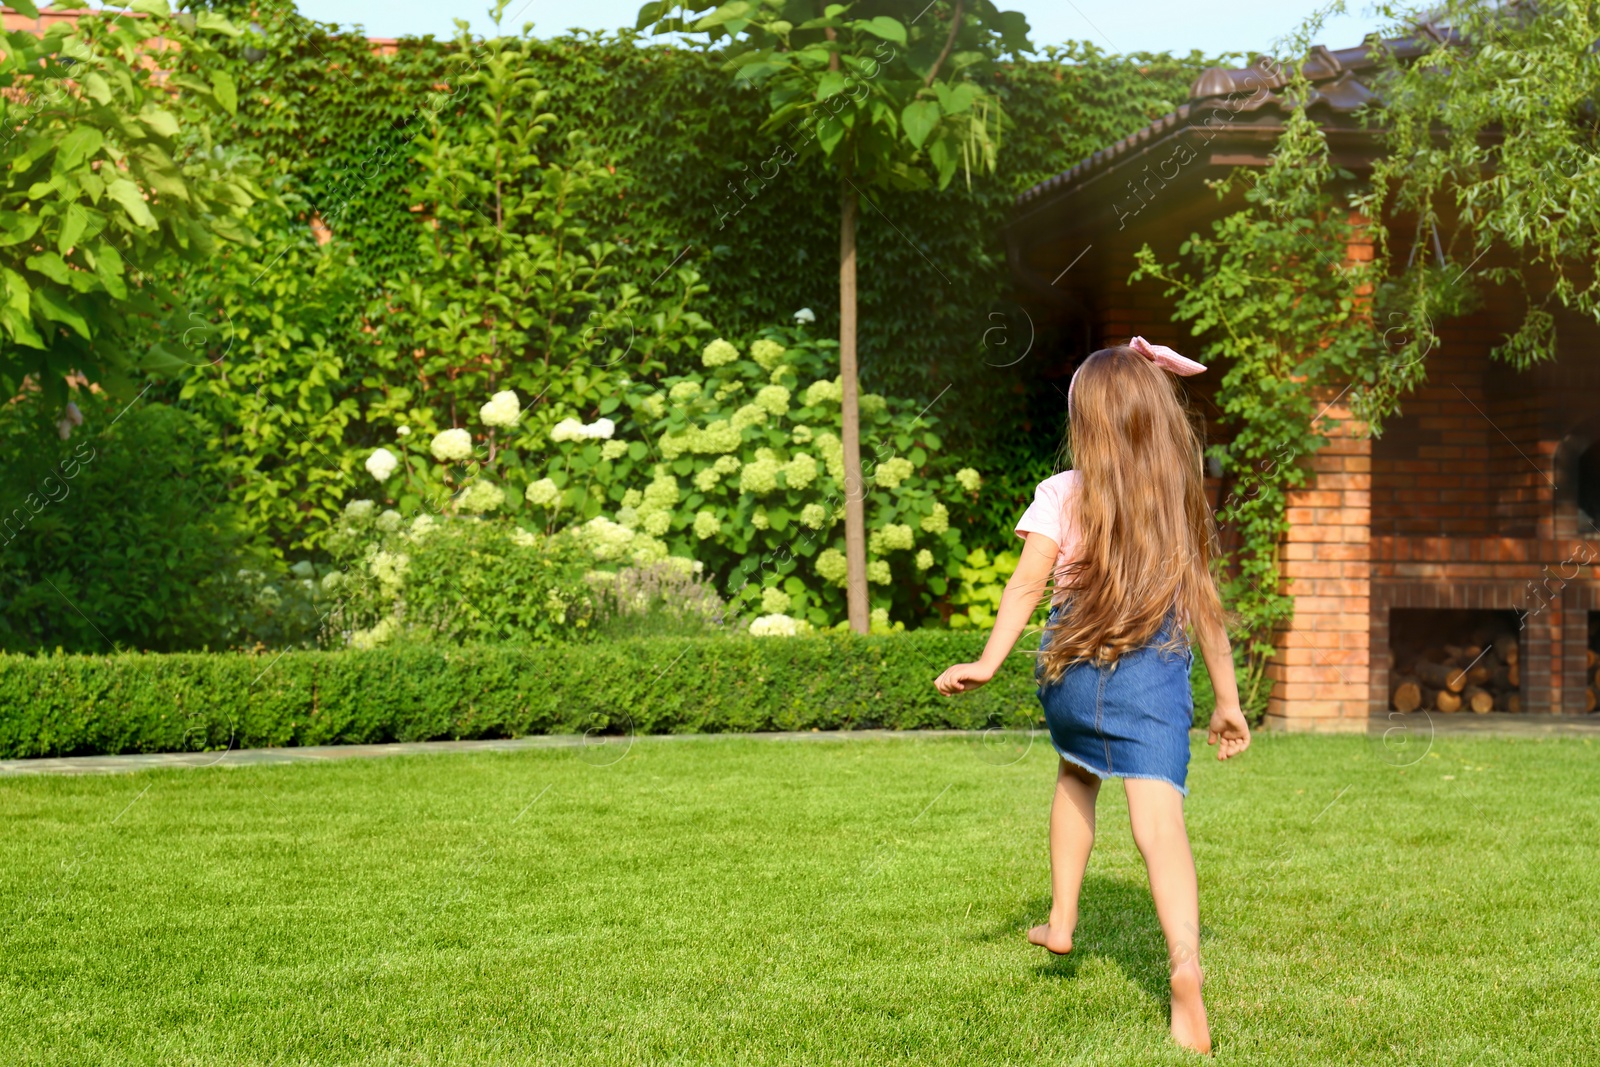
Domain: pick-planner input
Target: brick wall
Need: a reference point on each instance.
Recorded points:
(1320, 671)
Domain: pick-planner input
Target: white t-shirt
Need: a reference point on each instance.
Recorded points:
(1054, 513)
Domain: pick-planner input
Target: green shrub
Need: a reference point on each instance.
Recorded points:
(77, 705)
(123, 535)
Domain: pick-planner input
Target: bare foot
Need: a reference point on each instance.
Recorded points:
(1189, 1026)
(1057, 937)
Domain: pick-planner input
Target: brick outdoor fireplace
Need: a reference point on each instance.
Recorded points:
(1471, 519)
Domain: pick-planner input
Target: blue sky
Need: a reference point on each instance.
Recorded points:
(1136, 25)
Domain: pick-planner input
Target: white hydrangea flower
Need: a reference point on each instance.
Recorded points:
(938, 522)
(818, 392)
(482, 496)
(832, 451)
(968, 479)
(684, 392)
(760, 521)
(775, 625)
(384, 631)
(613, 450)
(924, 560)
(706, 525)
(662, 492)
(774, 398)
(503, 409)
(706, 478)
(767, 353)
(653, 405)
(749, 415)
(629, 517)
(451, 445)
(814, 515)
(543, 493)
(801, 434)
(878, 620)
(775, 601)
(759, 476)
(878, 572)
(607, 540)
(390, 521)
(897, 537)
(871, 403)
(832, 566)
(332, 580)
(421, 526)
(404, 431)
(524, 538)
(657, 523)
(632, 498)
(570, 429)
(359, 510)
(390, 569)
(382, 463)
(800, 471)
(718, 353)
(726, 465)
(892, 471)
(805, 316)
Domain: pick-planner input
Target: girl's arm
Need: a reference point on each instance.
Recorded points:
(1228, 730)
(1027, 584)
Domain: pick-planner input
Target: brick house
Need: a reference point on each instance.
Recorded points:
(1478, 505)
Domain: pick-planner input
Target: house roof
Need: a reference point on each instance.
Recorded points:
(1338, 90)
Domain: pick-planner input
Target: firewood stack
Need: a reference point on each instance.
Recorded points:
(1481, 678)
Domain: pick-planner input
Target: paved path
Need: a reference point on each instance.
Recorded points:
(608, 748)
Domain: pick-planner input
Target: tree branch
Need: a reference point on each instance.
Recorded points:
(949, 43)
(833, 57)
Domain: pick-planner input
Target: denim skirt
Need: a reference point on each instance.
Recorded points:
(1127, 720)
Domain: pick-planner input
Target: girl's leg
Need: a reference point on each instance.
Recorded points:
(1155, 810)
(1071, 838)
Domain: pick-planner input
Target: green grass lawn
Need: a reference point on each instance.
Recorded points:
(746, 901)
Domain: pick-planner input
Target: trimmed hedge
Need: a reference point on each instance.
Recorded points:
(81, 705)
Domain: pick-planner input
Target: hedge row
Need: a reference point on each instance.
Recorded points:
(81, 705)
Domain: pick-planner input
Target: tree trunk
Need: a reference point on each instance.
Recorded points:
(855, 492)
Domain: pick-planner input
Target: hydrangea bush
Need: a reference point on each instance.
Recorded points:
(735, 464)
(738, 464)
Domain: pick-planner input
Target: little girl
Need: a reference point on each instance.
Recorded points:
(1127, 537)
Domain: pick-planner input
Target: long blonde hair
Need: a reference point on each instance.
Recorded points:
(1147, 538)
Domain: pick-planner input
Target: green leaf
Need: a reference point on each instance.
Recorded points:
(55, 308)
(226, 93)
(650, 14)
(882, 26)
(15, 227)
(97, 87)
(958, 98)
(78, 146)
(50, 265)
(918, 120)
(831, 83)
(73, 226)
(159, 120)
(132, 200)
(24, 7)
(732, 10)
(151, 7)
(210, 20)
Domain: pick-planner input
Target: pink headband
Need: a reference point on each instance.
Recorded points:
(1161, 356)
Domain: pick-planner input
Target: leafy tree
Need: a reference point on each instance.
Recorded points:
(108, 169)
(883, 91)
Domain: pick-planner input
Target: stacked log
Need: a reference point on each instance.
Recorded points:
(1449, 678)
